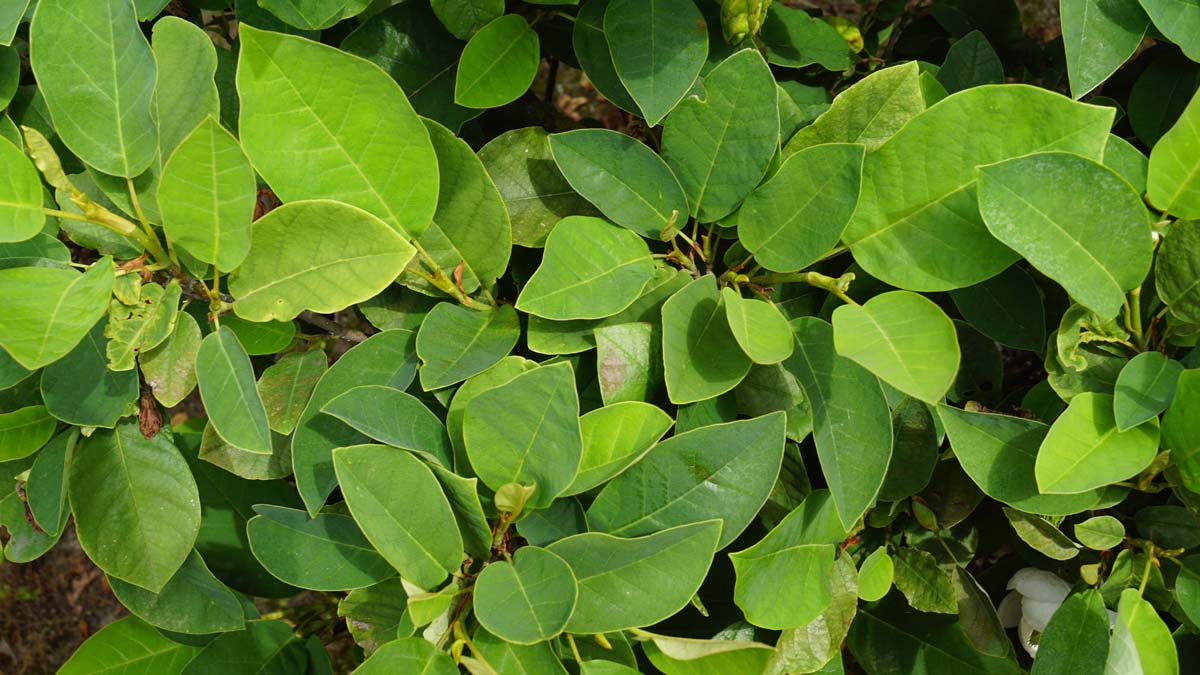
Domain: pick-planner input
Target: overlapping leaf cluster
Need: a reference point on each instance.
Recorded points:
(791, 368)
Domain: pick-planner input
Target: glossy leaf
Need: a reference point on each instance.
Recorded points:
(658, 48)
(508, 657)
(1172, 183)
(614, 438)
(794, 39)
(628, 361)
(35, 337)
(595, 58)
(1187, 587)
(24, 431)
(1153, 648)
(875, 575)
(970, 62)
(701, 356)
(869, 111)
(758, 326)
(1084, 450)
(527, 600)
(498, 64)
(327, 553)
(126, 644)
(1179, 21)
(1098, 36)
(287, 384)
(20, 196)
(393, 417)
(226, 380)
(1144, 389)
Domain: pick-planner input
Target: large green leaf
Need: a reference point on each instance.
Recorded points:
(720, 146)
(658, 48)
(701, 357)
(463, 495)
(506, 657)
(21, 214)
(295, 264)
(723, 471)
(1177, 271)
(1097, 249)
(1179, 21)
(527, 431)
(408, 655)
(79, 388)
(129, 645)
(391, 416)
(184, 92)
(24, 431)
(1144, 388)
(314, 14)
(595, 58)
(615, 437)
(387, 359)
(797, 216)
(170, 368)
(139, 523)
(794, 39)
(48, 311)
(1000, 309)
(1140, 629)
(817, 645)
(1084, 450)
(852, 427)
(287, 384)
(1173, 183)
(1076, 639)
(785, 579)
(626, 180)
(1187, 587)
(193, 602)
(608, 279)
(627, 583)
(10, 17)
(1098, 36)
(1181, 429)
(402, 511)
(869, 111)
(230, 397)
(528, 600)
(917, 225)
(903, 338)
(455, 342)
(326, 553)
(374, 154)
(970, 62)
(98, 91)
(498, 64)
(263, 648)
(998, 452)
(206, 195)
(628, 361)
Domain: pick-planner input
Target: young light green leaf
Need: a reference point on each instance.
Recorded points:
(226, 380)
(170, 368)
(1144, 389)
(926, 585)
(1084, 450)
(498, 64)
(20, 196)
(701, 356)
(141, 326)
(286, 385)
(627, 181)
(1173, 183)
(393, 417)
(569, 286)
(326, 553)
(1098, 36)
(98, 91)
(401, 510)
(1000, 309)
(1100, 533)
(628, 583)
(1178, 21)
(294, 264)
(1041, 535)
(527, 432)
(678, 656)
(47, 311)
(759, 327)
(193, 602)
(528, 600)
(206, 195)
(797, 216)
(723, 471)
(1143, 630)
(293, 95)
(785, 579)
(1121, 156)
(720, 146)
(24, 431)
(658, 62)
(1076, 639)
(1097, 250)
(614, 438)
(875, 575)
(139, 528)
(314, 14)
(125, 644)
(80, 389)
(10, 18)
(869, 111)
(817, 645)
(455, 342)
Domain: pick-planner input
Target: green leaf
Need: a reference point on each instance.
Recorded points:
(326, 553)
(506, 657)
(1121, 156)
(1160, 95)
(387, 359)
(455, 342)
(408, 655)
(999, 453)
(1173, 183)
(627, 181)
(1100, 533)
(917, 226)
(533, 189)
(701, 356)
(463, 495)
(98, 91)
(226, 380)
(10, 18)
(35, 337)
(1084, 450)
(293, 95)
(614, 438)
(393, 417)
(607, 280)
(720, 146)
(1000, 309)
(470, 237)
(926, 585)
(627, 583)
(141, 326)
(759, 327)
(170, 368)
(10, 78)
(817, 645)
(287, 384)
(128, 644)
(373, 613)
(140, 524)
(591, 49)
(527, 600)
(852, 427)
(261, 337)
(402, 511)
(184, 91)
(682, 656)
(1187, 587)
(1076, 639)
(24, 431)
(264, 648)
(869, 111)
(498, 64)
(628, 361)
(1177, 271)
(20, 196)
(797, 216)
(294, 264)
(206, 194)
(1097, 250)
(1042, 535)
(1145, 388)
(1099, 36)
(314, 14)
(784, 580)
(193, 602)
(464, 17)
(875, 575)
(1169, 526)
(503, 371)
(723, 471)
(794, 39)
(79, 388)
(527, 432)
(658, 48)
(1181, 429)
(915, 443)
(970, 62)
(46, 487)
(904, 339)
(1179, 21)
(1139, 625)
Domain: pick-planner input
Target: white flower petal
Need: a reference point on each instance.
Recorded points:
(1039, 585)
(1038, 613)
(1010, 610)
(1025, 632)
